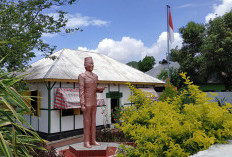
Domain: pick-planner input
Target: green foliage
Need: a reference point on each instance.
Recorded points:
(206, 50)
(180, 126)
(175, 77)
(189, 56)
(49, 152)
(15, 140)
(146, 64)
(129, 151)
(133, 64)
(169, 93)
(139, 97)
(217, 48)
(23, 22)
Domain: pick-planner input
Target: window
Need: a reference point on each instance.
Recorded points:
(70, 112)
(33, 100)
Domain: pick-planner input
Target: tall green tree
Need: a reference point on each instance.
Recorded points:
(133, 64)
(207, 50)
(22, 24)
(217, 48)
(146, 64)
(190, 56)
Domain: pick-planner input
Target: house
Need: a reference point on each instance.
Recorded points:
(47, 78)
(162, 65)
(156, 70)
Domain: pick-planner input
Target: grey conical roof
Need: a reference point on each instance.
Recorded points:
(156, 70)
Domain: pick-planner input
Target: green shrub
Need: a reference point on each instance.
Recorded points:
(139, 97)
(169, 92)
(178, 126)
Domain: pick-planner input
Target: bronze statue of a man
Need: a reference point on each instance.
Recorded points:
(88, 100)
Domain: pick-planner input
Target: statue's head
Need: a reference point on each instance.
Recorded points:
(89, 64)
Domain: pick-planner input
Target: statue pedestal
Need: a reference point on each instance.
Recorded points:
(78, 149)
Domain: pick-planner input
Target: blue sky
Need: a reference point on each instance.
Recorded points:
(129, 30)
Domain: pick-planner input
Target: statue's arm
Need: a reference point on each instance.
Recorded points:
(100, 89)
(81, 90)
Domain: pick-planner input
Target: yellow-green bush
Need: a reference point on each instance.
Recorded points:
(180, 126)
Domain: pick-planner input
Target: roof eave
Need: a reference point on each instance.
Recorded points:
(99, 81)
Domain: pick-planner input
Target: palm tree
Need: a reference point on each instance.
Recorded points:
(15, 140)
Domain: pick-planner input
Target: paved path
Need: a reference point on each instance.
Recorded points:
(216, 150)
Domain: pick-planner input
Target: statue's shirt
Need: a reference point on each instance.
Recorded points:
(88, 88)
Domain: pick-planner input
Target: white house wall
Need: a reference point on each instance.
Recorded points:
(44, 95)
(114, 87)
(28, 119)
(108, 110)
(34, 122)
(126, 93)
(41, 87)
(67, 122)
(39, 123)
(43, 121)
(72, 122)
(55, 121)
(106, 116)
(99, 116)
(78, 121)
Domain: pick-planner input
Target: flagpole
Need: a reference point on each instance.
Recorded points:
(169, 77)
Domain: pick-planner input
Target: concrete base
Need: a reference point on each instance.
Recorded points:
(80, 146)
(78, 149)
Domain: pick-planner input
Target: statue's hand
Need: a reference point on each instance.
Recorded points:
(83, 108)
(102, 88)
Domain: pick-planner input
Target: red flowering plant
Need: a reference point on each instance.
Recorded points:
(169, 93)
(117, 113)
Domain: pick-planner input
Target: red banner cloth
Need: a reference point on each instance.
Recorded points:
(68, 98)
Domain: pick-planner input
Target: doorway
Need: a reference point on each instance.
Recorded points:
(114, 104)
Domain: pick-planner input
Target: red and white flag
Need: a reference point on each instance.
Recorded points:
(171, 31)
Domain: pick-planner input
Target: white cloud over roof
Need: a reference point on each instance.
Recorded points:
(130, 49)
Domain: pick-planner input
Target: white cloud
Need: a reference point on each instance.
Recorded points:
(186, 6)
(159, 49)
(84, 49)
(219, 10)
(127, 49)
(49, 35)
(130, 49)
(77, 20)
